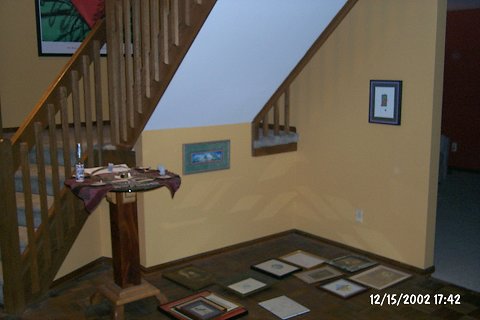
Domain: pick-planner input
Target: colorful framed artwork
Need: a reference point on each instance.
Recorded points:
(352, 263)
(275, 268)
(190, 276)
(303, 259)
(62, 25)
(385, 101)
(318, 275)
(343, 288)
(206, 156)
(380, 277)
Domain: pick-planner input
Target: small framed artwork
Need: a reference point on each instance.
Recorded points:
(276, 268)
(380, 277)
(191, 277)
(200, 309)
(246, 284)
(385, 101)
(352, 263)
(303, 259)
(284, 307)
(318, 275)
(204, 305)
(206, 156)
(343, 288)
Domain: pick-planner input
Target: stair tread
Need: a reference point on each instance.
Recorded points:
(20, 197)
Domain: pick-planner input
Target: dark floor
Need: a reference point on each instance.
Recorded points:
(457, 236)
(70, 300)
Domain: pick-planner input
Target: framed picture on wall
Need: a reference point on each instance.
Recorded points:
(385, 101)
(62, 25)
(206, 156)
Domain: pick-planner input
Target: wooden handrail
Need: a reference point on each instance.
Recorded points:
(261, 119)
(25, 133)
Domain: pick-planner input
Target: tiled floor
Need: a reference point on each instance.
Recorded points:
(71, 300)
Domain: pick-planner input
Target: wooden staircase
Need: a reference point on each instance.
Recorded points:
(272, 130)
(39, 218)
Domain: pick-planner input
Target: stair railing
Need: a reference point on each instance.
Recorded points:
(147, 40)
(150, 40)
(270, 116)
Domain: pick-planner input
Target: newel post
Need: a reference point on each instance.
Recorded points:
(13, 287)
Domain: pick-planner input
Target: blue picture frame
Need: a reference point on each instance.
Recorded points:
(206, 156)
(385, 101)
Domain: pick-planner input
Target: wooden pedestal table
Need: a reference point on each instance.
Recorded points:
(127, 285)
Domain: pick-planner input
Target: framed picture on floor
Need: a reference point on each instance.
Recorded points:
(385, 101)
(246, 284)
(318, 275)
(352, 263)
(190, 276)
(275, 268)
(380, 277)
(303, 259)
(343, 288)
(204, 305)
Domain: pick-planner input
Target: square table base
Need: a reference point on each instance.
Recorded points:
(121, 296)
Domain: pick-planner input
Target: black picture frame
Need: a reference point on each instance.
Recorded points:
(385, 101)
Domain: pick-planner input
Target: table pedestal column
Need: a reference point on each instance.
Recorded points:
(127, 285)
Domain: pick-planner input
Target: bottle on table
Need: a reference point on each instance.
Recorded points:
(79, 165)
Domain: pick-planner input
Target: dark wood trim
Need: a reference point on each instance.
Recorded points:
(281, 148)
(105, 261)
(370, 255)
(214, 252)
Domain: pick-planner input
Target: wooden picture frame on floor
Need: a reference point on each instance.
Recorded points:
(380, 277)
(343, 288)
(352, 263)
(204, 305)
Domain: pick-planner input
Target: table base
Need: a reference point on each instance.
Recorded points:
(121, 296)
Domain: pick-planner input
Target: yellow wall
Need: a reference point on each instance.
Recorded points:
(92, 243)
(252, 199)
(345, 162)
(24, 75)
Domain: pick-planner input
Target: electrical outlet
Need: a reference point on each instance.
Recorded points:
(359, 215)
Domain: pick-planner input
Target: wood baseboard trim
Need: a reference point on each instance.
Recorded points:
(368, 254)
(105, 261)
(214, 252)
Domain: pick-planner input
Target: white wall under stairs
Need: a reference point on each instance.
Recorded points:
(243, 53)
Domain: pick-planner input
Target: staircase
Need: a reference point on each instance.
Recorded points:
(272, 131)
(39, 218)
